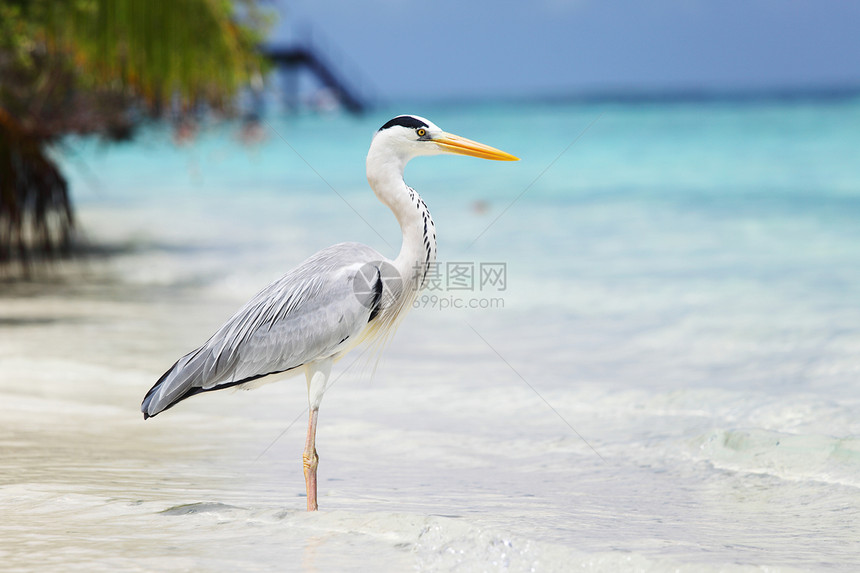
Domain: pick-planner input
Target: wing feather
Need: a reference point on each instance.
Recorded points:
(308, 314)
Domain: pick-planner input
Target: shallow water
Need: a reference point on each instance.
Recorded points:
(671, 383)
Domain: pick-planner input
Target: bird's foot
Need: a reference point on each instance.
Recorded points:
(310, 461)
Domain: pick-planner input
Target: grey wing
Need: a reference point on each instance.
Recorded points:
(310, 313)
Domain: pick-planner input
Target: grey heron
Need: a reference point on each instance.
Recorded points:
(338, 298)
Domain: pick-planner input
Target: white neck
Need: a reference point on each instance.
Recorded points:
(418, 251)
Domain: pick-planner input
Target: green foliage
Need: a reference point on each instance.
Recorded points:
(102, 67)
(191, 49)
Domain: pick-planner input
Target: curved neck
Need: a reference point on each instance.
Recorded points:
(418, 250)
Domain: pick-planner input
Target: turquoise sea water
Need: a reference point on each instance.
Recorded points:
(683, 293)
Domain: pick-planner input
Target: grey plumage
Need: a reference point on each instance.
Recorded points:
(341, 296)
(313, 312)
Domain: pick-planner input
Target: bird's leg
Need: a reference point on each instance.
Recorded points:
(317, 374)
(311, 460)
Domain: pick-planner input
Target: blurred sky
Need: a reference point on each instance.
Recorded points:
(450, 49)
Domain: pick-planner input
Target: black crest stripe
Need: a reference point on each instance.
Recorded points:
(405, 121)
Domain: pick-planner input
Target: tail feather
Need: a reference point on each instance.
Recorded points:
(174, 386)
(187, 378)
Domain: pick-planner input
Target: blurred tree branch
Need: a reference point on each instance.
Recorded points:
(103, 67)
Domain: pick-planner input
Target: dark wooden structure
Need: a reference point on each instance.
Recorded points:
(298, 57)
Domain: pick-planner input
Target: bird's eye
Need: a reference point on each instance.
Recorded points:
(421, 132)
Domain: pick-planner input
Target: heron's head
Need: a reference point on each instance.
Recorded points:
(408, 136)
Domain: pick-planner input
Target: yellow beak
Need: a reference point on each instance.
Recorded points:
(462, 146)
